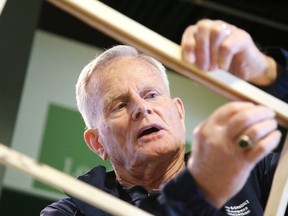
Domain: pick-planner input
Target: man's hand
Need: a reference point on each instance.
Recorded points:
(216, 44)
(219, 166)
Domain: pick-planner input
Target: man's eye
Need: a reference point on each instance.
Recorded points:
(120, 106)
(152, 95)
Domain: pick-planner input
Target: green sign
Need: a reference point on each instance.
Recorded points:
(63, 146)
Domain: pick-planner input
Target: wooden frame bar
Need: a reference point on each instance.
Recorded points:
(68, 184)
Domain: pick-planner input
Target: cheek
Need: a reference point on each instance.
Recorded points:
(172, 114)
(106, 137)
(113, 137)
(177, 124)
(116, 131)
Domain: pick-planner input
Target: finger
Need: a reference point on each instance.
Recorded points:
(264, 146)
(218, 33)
(188, 44)
(261, 129)
(246, 117)
(225, 112)
(231, 47)
(202, 50)
(225, 56)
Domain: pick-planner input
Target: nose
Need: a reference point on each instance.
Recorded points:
(141, 109)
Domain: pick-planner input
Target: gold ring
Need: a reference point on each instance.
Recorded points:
(245, 142)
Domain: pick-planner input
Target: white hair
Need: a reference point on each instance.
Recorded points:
(86, 90)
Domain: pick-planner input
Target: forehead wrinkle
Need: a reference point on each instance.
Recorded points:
(110, 68)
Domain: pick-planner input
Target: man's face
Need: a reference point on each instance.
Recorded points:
(138, 121)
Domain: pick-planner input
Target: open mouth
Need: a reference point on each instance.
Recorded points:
(148, 131)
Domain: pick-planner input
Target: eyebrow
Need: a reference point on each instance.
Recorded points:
(111, 99)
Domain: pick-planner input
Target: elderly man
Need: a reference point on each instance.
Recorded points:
(131, 120)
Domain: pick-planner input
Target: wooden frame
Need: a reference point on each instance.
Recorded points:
(118, 26)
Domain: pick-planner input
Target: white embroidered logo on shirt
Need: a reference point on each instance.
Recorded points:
(239, 210)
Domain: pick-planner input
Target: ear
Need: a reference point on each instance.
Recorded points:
(92, 140)
(180, 108)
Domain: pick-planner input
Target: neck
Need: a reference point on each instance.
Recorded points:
(151, 175)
